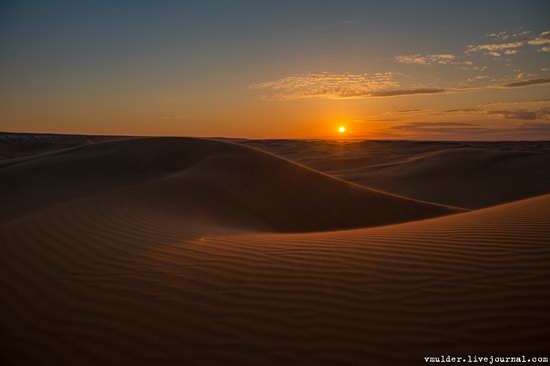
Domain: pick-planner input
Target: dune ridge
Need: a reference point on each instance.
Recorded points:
(209, 181)
(458, 173)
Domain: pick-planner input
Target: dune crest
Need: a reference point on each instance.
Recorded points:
(205, 182)
(465, 174)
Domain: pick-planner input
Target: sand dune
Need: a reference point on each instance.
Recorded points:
(167, 251)
(16, 145)
(205, 180)
(464, 174)
(90, 282)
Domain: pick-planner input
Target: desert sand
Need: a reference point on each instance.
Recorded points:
(180, 251)
(464, 174)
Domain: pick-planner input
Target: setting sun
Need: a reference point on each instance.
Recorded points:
(341, 129)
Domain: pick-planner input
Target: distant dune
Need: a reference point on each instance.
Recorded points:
(206, 181)
(181, 251)
(464, 174)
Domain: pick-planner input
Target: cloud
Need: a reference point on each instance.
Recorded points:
(520, 34)
(521, 75)
(340, 86)
(463, 110)
(468, 66)
(505, 35)
(503, 44)
(539, 41)
(501, 35)
(399, 92)
(439, 128)
(456, 129)
(467, 130)
(417, 59)
(509, 48)
(519, 84)
(377, 85)
(409, 110)
(329, 85)
(496, 118)
(477, 78)
(538, 109)
(494, 47)
(435, 124)
(526, 115)
(377, 119)
(539, 114)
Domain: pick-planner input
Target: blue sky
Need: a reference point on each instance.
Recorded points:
(274, 69)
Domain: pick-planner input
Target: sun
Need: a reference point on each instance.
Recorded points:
(342, 129)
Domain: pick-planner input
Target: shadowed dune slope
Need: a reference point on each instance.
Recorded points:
(464, 174)
(101, 282)
(207, 182)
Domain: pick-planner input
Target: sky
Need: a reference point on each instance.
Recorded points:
(428, 70)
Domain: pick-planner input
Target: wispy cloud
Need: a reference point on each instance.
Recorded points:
(501, 44)
(340, 86)
(398, 92)
(506, 35)
(494, 47)
(539, 41)
(527, 110)
(438, 128)
(511, 47)
(377, 119)
(461, 110)
(358, 86)
(520, 110)
(467, 130)
(468, 65)
(500, 35)
(519, 84)
(418, 59)
(409, 110)
(435, 124)
(540, 114)
(478, 78)
(331, 85)
(521, 33)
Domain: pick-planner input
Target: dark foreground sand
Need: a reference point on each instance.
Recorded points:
(186, 252)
